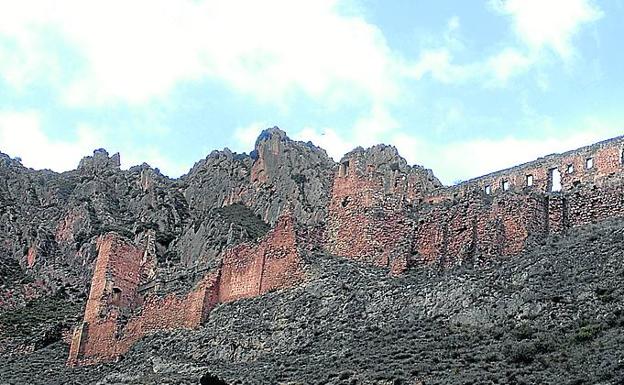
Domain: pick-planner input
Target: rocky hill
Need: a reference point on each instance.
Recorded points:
(553, 315)
(284, 267)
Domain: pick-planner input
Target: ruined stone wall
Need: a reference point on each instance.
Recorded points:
(241, 273)
(112, 325)
(497, 214)
(282, 263)
(368, 218)
(116, 276)
(591, 204)
(591, 165)
(477, 224)
(110, 336)
(249, 270)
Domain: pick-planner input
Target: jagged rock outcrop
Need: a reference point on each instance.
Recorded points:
(278, 173)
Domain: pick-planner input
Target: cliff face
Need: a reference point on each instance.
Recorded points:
(278, 173)
(128, 244)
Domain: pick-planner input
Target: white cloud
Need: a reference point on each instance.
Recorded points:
(138, 50)
(438, 63)
(541, 26)
(548, 24)
(21, 136)
(246, 136)
(508, 63)
(328, 139)
(154, 157)
(132, 52)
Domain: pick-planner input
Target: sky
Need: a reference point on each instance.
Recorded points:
(461, 87)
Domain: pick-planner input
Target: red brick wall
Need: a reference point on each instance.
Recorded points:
(479, 225)
(282, 265)
(241, 273)
(117, 266)
(106, 338)
(367, 220)
(607, 159)
(249, 270)
(462, 220)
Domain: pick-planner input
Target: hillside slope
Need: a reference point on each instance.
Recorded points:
(553, 315)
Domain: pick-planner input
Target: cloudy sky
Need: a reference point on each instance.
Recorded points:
(462, 87)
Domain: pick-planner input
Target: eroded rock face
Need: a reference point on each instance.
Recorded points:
(279, 173)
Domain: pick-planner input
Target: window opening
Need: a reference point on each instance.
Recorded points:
(589, 163)
(555, 180)
(116, 294)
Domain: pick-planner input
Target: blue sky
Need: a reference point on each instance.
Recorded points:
(461, 87)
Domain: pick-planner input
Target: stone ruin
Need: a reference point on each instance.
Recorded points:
(122, 306)
(382, 212)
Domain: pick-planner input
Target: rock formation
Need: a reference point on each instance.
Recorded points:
(151, 253)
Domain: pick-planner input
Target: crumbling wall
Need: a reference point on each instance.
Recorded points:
(478, 224)
(497, 214)
(116, 276)
(389, 216)
(253, 269)
(590, 165)
(110, 336)
(118, 314)
(369, 212)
